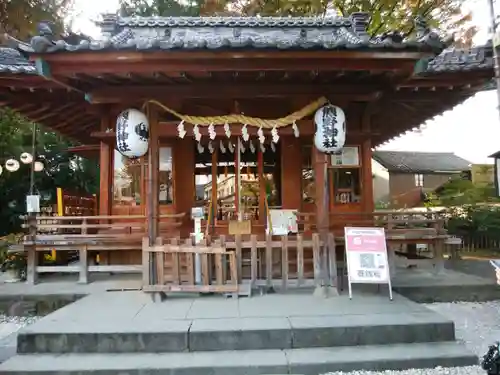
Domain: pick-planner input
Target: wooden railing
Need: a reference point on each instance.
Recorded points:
(276, 261)
(397, 224)
(86, 234)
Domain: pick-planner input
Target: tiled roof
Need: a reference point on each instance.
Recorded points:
(216, 33)
(453, 60)
(11, 61)
(421, 162)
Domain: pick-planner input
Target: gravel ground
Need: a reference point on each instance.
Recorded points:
(476, 324)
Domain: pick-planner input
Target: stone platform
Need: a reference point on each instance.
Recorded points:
(125, 332)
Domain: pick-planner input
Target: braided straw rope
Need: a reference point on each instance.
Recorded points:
(242, 119)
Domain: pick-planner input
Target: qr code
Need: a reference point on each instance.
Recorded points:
(367, 261)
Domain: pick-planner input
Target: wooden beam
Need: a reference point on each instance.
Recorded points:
(116, 94)
(162, 56)
(229, 65)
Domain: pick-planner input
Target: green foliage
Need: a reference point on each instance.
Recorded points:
(475, 221)
(61, 169)
(19, 18)
(459, 192)
(386, 15)
(171, 8)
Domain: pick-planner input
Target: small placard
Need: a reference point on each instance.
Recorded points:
(32, 204)
(197, 213)
(367, 262)
(240, 227)
(346, 157)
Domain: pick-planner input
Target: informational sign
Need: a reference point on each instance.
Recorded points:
(197, 213)
(283, 222)
(32, 204)
(240, 227)
(366, 253)
(347, 157)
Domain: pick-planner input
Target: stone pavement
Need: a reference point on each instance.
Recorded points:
(126, 332)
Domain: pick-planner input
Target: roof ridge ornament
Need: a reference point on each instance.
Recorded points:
(360, 22)
(429, 36)
(45, 38)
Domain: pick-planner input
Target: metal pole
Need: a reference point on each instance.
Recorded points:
(496, 58)
(33, 153)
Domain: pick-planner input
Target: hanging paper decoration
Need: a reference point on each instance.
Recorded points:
(181, 130)
(295, 128)
(38, 166)
(200, 148)
(330, 129)
(26, 158)
(1, 170)
(211, 147)
(222, 147)
(273, 147)
(230, 146)
(260, 134)
(196, 133)
(274, 134)
(242, 148)
(132, 133)
(262, 148)
(227, 130)
(211, 131)
(12, 165)
(244, 133)
(252, 147)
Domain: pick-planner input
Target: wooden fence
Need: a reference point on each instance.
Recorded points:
(277, 261)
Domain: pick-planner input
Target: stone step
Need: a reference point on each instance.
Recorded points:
(163, 336)
(254, 362)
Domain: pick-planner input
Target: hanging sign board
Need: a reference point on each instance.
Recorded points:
(32, 204)
(366, 253)
(240, 227)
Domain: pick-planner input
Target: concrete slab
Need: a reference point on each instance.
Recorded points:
(129, 322)
(255, 362)
(214, 307)
(240, 334)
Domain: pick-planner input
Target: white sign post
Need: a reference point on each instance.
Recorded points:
(197, 214)
(366, 253)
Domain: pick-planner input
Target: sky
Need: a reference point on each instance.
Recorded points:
(470, 130)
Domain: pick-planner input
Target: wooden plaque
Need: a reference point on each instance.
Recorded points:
(240, 227)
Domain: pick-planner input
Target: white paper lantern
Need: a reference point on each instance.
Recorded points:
(132, 133)
(330, 129)
(38, 166)
(26, 158)
(12, 165)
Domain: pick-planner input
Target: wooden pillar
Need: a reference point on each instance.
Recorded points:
(184, 181)
(152, 203)
(262, 186)
(237, 180)
(291, 173)
(366, 163)
(152, 194)
(105, 169)
(214, 188)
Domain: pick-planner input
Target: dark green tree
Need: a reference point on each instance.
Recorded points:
(61, 169)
